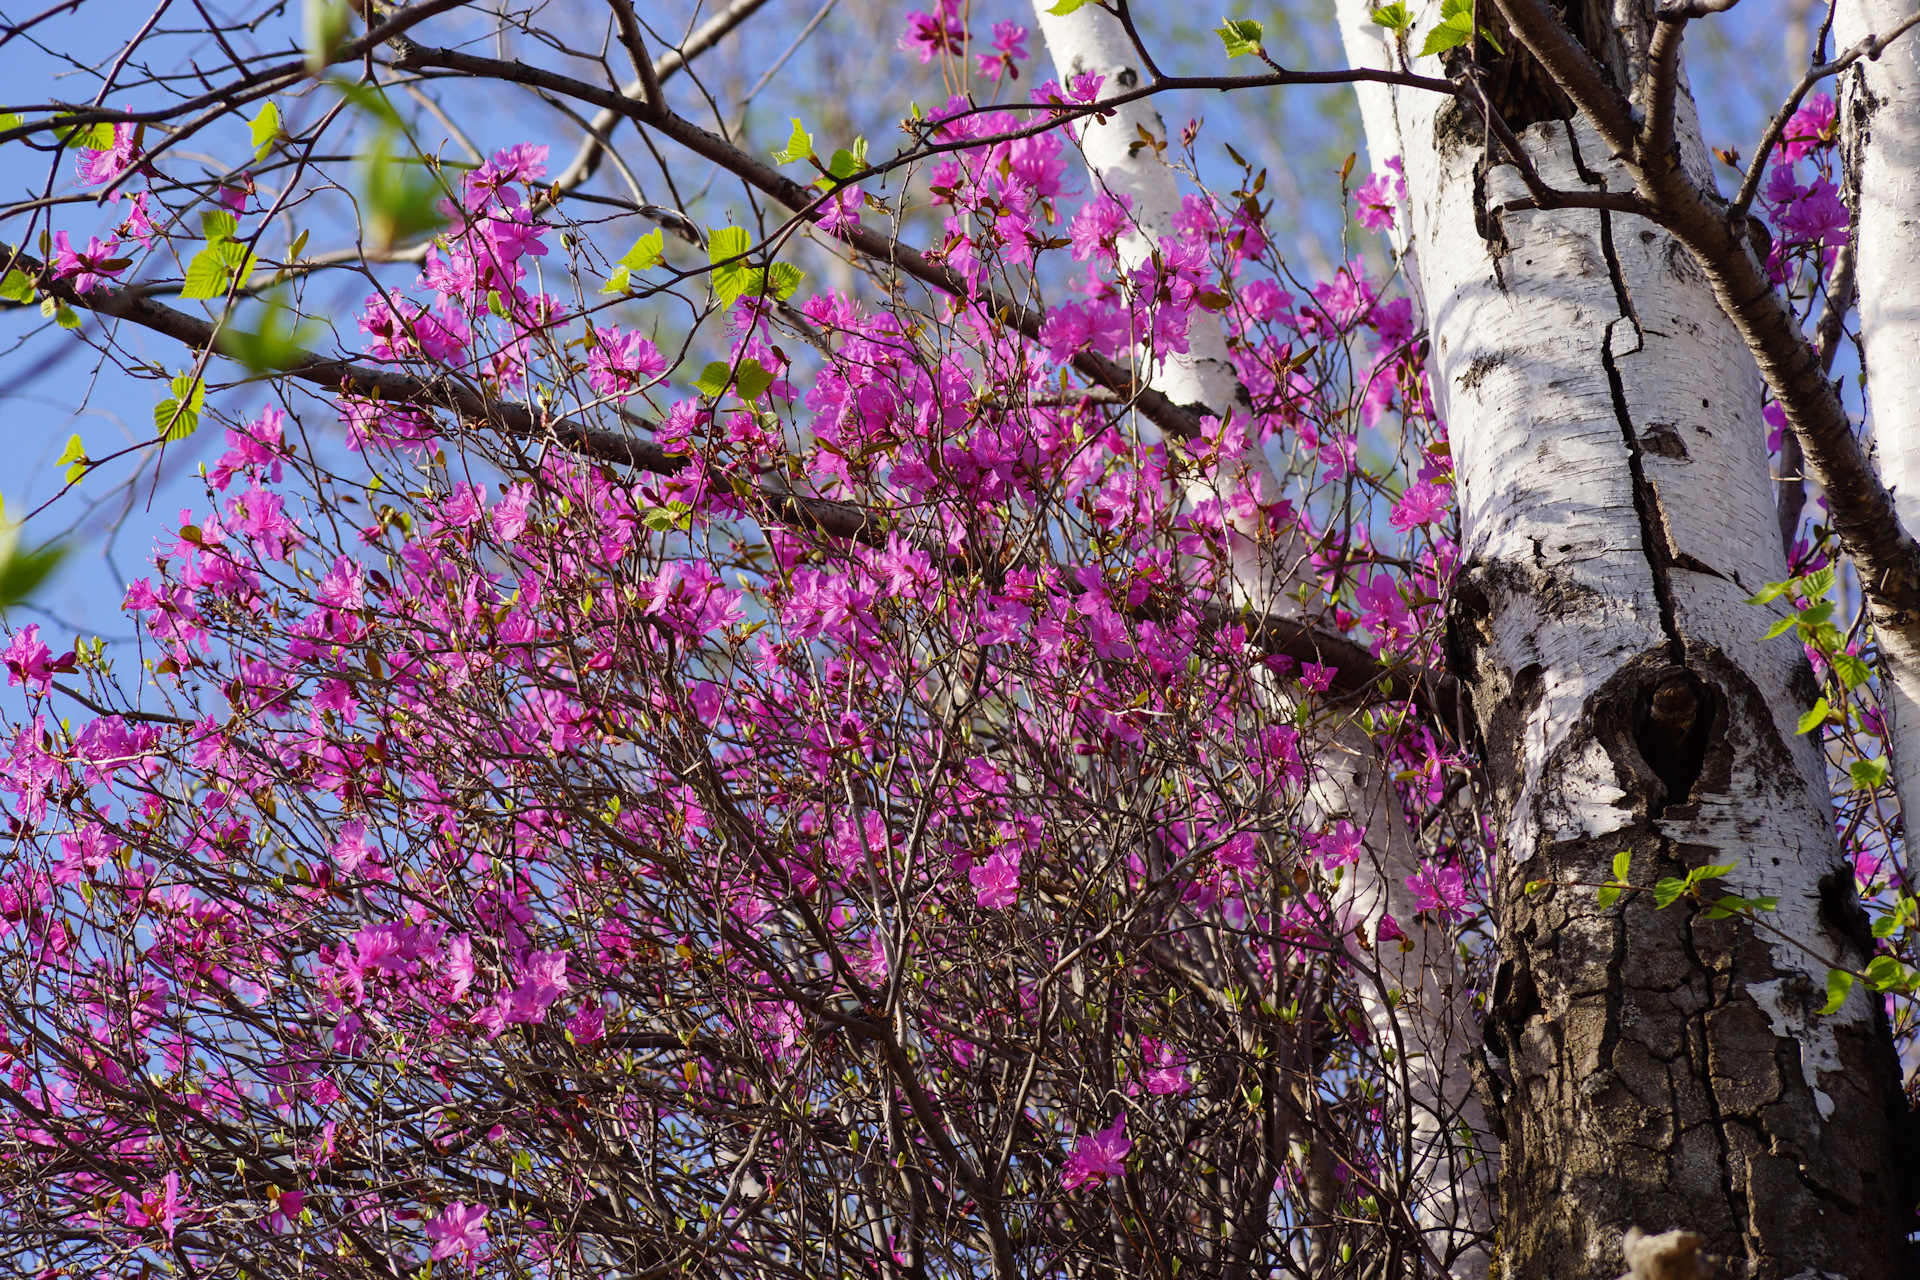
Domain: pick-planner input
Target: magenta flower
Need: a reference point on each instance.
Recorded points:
(460, 1229)
(28, 660)
(623, 363)
(997, 880)
(1097, 1156)
(1009, 42)
(1423, 503)
(929, 34)
(840, 211)
(1439, 890)
(97, 168)
(1166, 1067)
(1811, 127)
(1340, 846)
(1376, 203)
(88, 267)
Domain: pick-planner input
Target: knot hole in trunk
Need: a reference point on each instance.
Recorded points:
(1675, 724)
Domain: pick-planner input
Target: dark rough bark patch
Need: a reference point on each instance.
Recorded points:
(1648, 1085)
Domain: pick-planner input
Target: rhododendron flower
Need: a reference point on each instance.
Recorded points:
(1374, 203)
(96, 168)
(1097, 1156)
(997, 880)
(1009, 43)
(29, 662)
(1439, 890)
(1166, 1067)
(1342, 845)
(840, 211)
(459, 1230)
(623, 363)
(88, 268)
(1421, 504)
(930, 34)
(1810, 128)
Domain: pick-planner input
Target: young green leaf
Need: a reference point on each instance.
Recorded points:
(647, 251)
(217, 225)
(751, 380)
(1869, 773)
(783, 279)
(1853, 672)
(1815, 717)
(1610, 894)
(178, 416)
(1066, 7)
(799, 145)
(266, 128)
(1622, 863)
(1240, 36)
(1667, 891)
(1886, 973)
(1394, 17)
(17, 287)
(1839, 983)
(713, 379)
(74, 459)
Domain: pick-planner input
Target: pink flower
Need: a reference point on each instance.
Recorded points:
(96, 168)
(1317, 678)
(460, 1229)
(1376, 203)
(622, 363)
(1166, 1067)
(1009, 44)
(1097, 1156)
(929, 34)
(29, 662)
(1440, 890)
(88, 267)
(840, 210)
(997, 880)
(1811, 127)
(1421, 504)
(1098, 225)
(1340, 846)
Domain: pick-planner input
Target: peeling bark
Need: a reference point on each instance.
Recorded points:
(1665, 1070)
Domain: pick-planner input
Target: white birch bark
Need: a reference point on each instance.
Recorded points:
(1615, 509)
(1426, 1019)
(1880, 113)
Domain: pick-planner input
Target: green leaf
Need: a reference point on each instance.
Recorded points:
(1839, 983)
(178, 417)
(1700, 874)
(93, 137)
(66, 317)
(266, 128)
(1815, 717)
(730, 278)
(23, 571)
(1240, 36)
(713, 379)
(1817, 583)
(648, 250)
(799, 145)
(17, 287)
(845, 164)
(1622, 863)
(1450, 34)
(326, 25)
(1610, 894)
(1869, 773)
(278, 340)
(1394, 17)
(1771, 592)
(206, 275)
(1853, 672)
(1886, 973)
(401, 198)
(74, 458)
(217, 225)
(1066, 7)
(1781, 627)
(1667, 891)
(752, 380)
(783, 279)
(11, 120)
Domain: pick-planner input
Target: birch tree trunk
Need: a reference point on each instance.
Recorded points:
(1881, 120)
(1413, 996)
(1664, 1071)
